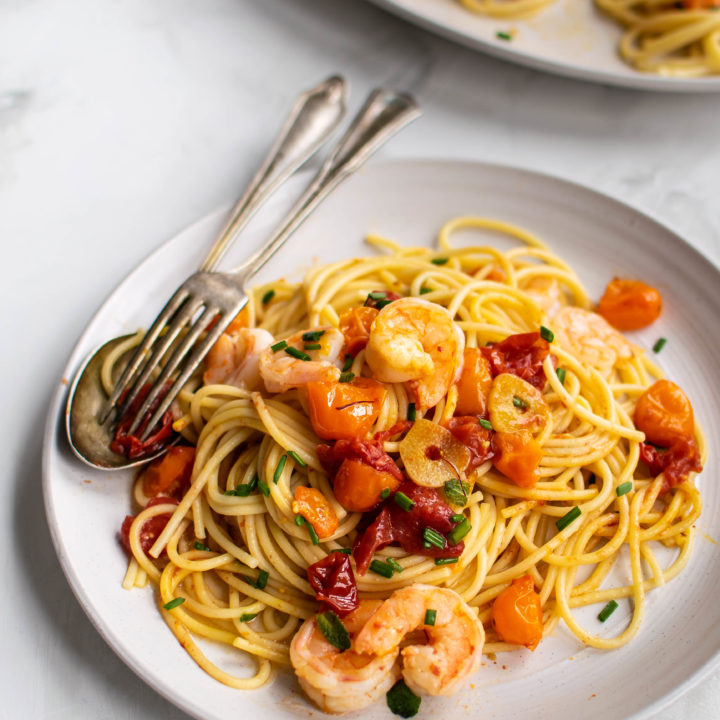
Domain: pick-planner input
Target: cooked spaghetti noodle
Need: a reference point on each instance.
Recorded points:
(235, 569)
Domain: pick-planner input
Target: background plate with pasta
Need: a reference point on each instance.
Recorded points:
(568, 37)
(408, 201)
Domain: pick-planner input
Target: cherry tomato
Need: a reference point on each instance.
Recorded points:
(344, 410)
(315, 508)
(664, 414)
(357, 485)
(151, 528)
(517, 456)
(630, 304)
(474, 384)
(355, 326)
(517, 614)
(334, 584)
(171, 473)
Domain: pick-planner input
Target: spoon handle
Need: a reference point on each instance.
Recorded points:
(313, 117)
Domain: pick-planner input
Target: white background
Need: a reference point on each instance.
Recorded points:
(122, 121)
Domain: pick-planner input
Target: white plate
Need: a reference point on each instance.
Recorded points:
(571, 37)
(408, 201)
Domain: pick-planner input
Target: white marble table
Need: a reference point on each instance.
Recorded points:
(122, 121)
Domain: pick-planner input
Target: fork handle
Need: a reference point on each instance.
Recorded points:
(313, 117)
(384, 113)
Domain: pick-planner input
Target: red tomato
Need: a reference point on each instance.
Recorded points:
(151, 529)
(170, 474)
(474, 437)
(334, 584)
(517, 614)
(630, 304)
(521, 355)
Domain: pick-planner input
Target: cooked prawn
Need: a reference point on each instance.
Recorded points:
(591, 338)
(547, 294)
(341, 681)
(281, 371)
(455, 641)
(234, 358)
(416, 342)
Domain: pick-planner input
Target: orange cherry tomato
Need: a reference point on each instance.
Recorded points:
(315, 508)
(517, 614)
(357, 485)
(517, 456)
(664, 414)
(355, 326)
(170, 473)
(344, 410)
(630, 304)
(474, 384)
(701, 4)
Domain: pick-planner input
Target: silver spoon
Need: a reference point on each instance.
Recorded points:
(314, 116)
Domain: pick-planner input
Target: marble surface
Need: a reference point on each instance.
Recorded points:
(122, 121)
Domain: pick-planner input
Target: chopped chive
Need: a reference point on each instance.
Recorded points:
(567, 518)
(380, 304)
(297, 458)
(459, 532)
(485, 423)
(268, 296)
(519, 402)
(247, 617)
(344, 551)
(299, 354)
(348, 363)
(500, 35)
(264, 489)
(253, 482)
(430, 617)
(626, 487)
(280, 467)
(331, 626)
(439, 261)
(314, 539)
(425, 290)
(239, 491)
(346, 377)
(394, 564)
(607, 611)
(402, 700)
(199, 546)
(278, 346)
(546, 333)
(377, 295)
(433, 538)
(312, 335)
(659, 345)
(384, 493)
(299, 520)
(312, 346)
(403, 501)
(560, 372)
(412, 412)
(445, 561)
(381, 568)
(174, 603)
(262, 579)
(457, 518)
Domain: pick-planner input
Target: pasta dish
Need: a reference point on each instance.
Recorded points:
(411, 459)
(668, 38)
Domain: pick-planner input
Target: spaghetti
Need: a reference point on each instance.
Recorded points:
(229, 553)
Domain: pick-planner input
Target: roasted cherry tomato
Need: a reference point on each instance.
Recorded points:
(344, 410)
(355, 326)
(675, 463)
(358, 486)
(517, 456)
(334, 584)
(474, 384)
(521, 355)
(171, 473)
(315, 508)
(517, 614)
(151, 528)
(664, 414)
(630, 304)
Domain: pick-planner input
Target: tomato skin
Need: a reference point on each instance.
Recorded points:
(676, 463)
(357, 485)
(517, 614)
(334, 584)
(630, 304)
(170, 474)
(315, 508)
(344, 410)
(474, 384)
(151, 528)
(664, 413)
(517, 456)
(355, 326)
(522, 355)
(474, 437)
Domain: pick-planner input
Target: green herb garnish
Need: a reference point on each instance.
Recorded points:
(560, 372)
(546, 333)
(279, 468)
(348, 363)
(199, 546)
(403, 501)
(299, 354)
(297, 458)
(267, 297)
(402, 700)
(425, 290)
(247, 617)
(659, 345)
(312, 346)
(607, 611)
(278, 346)
(567, 518)
(445, 561)
(501, 35)
(459, 532)
(439, 261)
(331, 626)
(485, 424)
(411, 412)
(432, 538)
(382, 568)
(384, 493)
(518, 402)
(312, 335)
(174, 603)
(456, 492)
(430, 617)
(626, 487)
(264, 489)
(346, 377)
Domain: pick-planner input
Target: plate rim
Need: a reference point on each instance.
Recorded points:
(54, 421)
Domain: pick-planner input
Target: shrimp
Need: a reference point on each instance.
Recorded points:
(416, 342)
(235, 357)
(455, 640)
(341, 681)
(547, 294)
(281, 371)
(591, 339)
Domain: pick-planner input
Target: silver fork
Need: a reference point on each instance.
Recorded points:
(207, 297)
